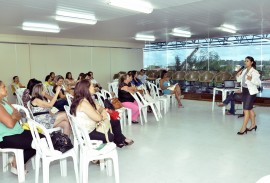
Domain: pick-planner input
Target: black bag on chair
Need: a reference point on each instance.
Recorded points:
(61, 142)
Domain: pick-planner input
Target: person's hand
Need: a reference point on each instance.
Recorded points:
(249, 77)
(16, 115)
(239, 73)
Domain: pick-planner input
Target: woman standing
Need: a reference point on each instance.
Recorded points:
(250, 81)
(11, 133)
(165, 85)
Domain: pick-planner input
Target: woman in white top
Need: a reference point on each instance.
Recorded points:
(90, 114)
(250, 81)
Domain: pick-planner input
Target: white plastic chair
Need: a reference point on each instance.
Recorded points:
(50, 90)
(19, 93)
(113, 87)
(155, 94)
(69, 98)
(18, 152)
(89, 151)
(46, 152)
(265, 179)
(152, 104)
(123, 111)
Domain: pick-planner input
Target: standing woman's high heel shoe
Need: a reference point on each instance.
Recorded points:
(254, 128)
(242, 133)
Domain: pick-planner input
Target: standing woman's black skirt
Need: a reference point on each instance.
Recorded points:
(248, 100)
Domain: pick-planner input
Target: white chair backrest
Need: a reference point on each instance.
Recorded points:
(141, 98)
(19, 93)
(99, 98)
(106, 94)
(19, 107)
(83, 135)
(69, 98)
(154, 90)
(73, 127)
(29, 109)
(134, 95)
(41, 146)
(50, 90)
(113, 87)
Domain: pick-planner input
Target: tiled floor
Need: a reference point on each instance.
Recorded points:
(189, 145)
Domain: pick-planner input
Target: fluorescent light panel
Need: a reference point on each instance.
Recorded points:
(28, 26)
(180, 33)
(75, 17)
(134, 5)
(228, 28)
(145, 38)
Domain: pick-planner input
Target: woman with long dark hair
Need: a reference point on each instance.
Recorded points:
(250, 81)
(90, 114)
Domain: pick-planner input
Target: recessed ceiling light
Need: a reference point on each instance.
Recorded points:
(180, 33)
(135, 5)
(75, 17)
(141, 37)
(40, 27)
(228, 28)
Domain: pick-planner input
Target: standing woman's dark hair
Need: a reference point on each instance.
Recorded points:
(252, 60)
(81, 91)
(163, 72)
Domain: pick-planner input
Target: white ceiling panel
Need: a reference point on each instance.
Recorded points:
(200, 17)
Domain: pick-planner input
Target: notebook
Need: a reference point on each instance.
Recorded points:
(229, 84)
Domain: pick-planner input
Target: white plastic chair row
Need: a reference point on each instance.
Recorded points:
(19, 93)
(88, 151)
(113, 87)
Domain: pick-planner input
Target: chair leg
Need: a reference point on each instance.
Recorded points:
(85, 171)
(115, 166)
(63, 167)
(46, 171)
(75, 162)
(154, 111)
(144, 112)
(37, 161)
(141, 116)
(20, 165)
(109, 167)
(129, 116)
(5, 161)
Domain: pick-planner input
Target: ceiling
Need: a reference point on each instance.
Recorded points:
(201, 17)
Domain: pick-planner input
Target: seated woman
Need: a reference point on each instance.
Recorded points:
(80, 77)
(16, 84)
(69, 81)
(48, 81)
(124, 96)
(11, 133)
(89, 114)
(165, 86)
(135, 80)
(41, 109)
(59, 81)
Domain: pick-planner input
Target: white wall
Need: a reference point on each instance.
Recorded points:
(19, 57)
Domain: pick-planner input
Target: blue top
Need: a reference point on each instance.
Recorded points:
(165, 84)
(136, 83)
(5, 131)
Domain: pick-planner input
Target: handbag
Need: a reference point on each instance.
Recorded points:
(61, 142)
(104, 127)
(114, 115)
(116, 103)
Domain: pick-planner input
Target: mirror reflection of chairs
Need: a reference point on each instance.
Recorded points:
(192, 77)
(206, 78)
